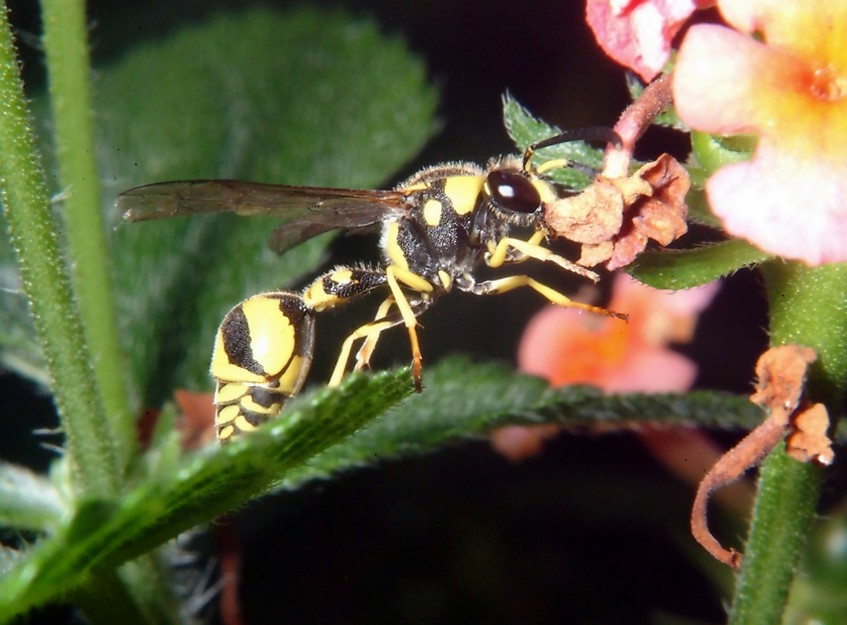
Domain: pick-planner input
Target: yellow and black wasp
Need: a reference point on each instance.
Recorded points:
(438, 228)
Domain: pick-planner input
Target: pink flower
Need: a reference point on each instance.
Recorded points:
(638, 33)
(567, 346)
(781, 76)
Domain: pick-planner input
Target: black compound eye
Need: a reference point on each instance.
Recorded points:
(511, 190)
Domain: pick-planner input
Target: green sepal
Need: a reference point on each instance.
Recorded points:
(713, 152)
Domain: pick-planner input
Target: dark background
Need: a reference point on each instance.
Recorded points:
(592, 531)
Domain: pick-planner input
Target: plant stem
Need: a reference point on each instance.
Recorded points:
(65, 45)
(808, 307)
(32, 232)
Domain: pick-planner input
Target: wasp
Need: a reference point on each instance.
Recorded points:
(438, 228)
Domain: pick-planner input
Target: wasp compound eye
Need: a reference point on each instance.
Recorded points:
(510, 190)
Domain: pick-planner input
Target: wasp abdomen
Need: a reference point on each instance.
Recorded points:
(263, 350)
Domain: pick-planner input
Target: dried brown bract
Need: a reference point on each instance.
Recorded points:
(614, 218)
(781, 373)
(809, 441)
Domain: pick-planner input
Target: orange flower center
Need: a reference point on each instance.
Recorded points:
(828, 85)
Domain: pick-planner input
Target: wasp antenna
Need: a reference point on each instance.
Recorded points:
(595, 133)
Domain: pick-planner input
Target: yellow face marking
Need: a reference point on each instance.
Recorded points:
(463, 191)
(392, 246)
(432, 212)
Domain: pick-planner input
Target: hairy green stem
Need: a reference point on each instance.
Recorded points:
(807, 307)
(32, 231)
(65, 46)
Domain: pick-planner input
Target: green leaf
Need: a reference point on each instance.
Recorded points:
(28, 500)
(699, 211)
(465, 400)
(313, 440)
(524, 129)
(105, 533)
(713, 152)
(683, 269)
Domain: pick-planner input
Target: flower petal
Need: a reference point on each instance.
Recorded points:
(651, 371)
(638, 34)
(812, 29)
(728, 83)
(788, 206)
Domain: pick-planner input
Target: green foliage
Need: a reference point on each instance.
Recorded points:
(714, 152)
(683, 269)
(525, 129)
(359, 424)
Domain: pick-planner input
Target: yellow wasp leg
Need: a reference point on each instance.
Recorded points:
(497, 255)
(503, 285)
(396, 275)
(326, 292)
(363, 356)
(532, 249)
(370, 332)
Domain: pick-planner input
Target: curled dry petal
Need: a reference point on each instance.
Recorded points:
(809, 441)
(781, 373)
(614, 218)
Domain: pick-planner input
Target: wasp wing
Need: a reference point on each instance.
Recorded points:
(305, 211)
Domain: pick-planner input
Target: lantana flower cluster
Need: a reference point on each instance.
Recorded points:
(776, 71)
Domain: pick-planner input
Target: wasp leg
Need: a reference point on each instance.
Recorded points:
(531, 249)
(491, 287)
(511, 255)
(370, 332)
(397, 275)
(366, 350)
(339, 286)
